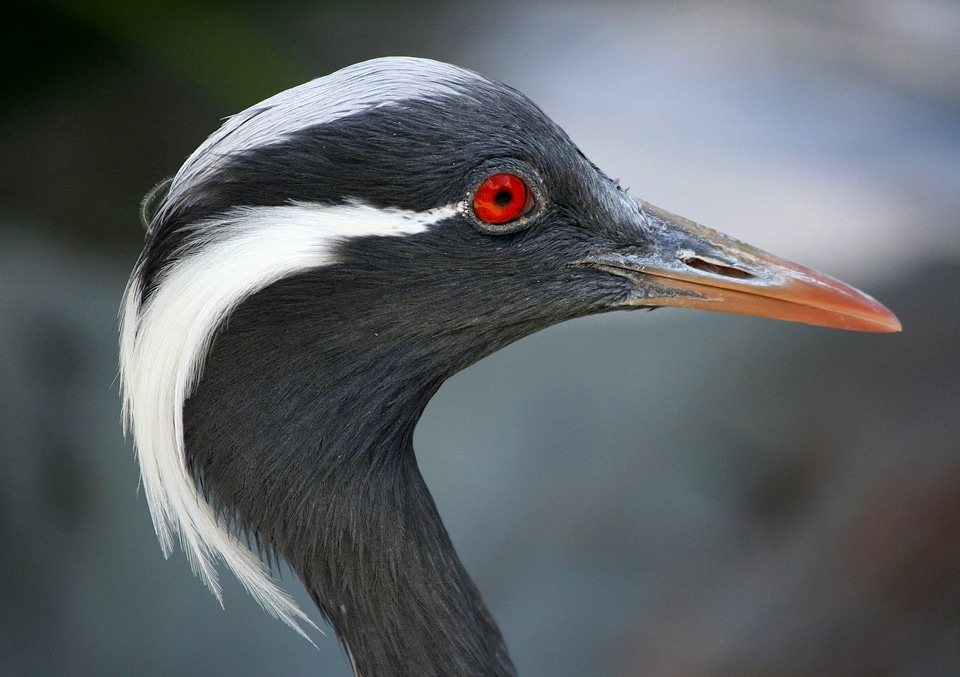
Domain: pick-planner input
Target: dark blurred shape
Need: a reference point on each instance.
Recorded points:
(211, 44)
(103, 99)
(42, 50)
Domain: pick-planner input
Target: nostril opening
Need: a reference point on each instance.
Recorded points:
(717, 268)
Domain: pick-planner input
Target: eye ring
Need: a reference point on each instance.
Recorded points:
(502, 198)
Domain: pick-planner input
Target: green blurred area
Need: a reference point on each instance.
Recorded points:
(102, 100)
(215, 46)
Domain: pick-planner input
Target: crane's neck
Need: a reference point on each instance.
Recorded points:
(301, 430)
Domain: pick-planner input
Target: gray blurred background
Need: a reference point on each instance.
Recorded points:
(673, 493)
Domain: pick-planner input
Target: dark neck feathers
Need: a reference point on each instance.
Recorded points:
(300, 432)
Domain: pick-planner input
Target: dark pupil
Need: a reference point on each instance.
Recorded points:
(503, 198)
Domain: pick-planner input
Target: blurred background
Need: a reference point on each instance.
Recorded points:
(673, 493)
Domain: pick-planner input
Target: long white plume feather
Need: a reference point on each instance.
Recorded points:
(165, 341)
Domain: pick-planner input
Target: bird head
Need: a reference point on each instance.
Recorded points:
(373, 231)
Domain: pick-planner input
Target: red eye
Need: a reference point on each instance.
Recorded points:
(502, 198)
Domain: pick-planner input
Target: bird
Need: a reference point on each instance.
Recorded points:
(314, 272)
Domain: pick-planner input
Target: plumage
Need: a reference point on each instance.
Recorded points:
(311, 276)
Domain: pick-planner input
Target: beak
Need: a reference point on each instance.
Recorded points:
(695, 267)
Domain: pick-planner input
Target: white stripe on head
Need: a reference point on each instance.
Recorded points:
(370, 84)
(163, 345)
